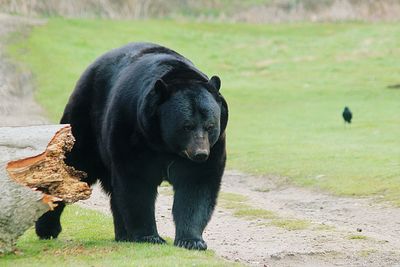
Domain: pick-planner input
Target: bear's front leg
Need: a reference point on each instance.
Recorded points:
(119, 226)
(133, 207)
(192, 209)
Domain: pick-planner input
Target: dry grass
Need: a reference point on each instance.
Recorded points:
(131, 9)
(253, 11)
(278, 11)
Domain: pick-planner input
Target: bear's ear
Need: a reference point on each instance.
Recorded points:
(215, 82)
(161, 89)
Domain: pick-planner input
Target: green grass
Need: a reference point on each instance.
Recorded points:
(286, 86)
(238, 204)
(233, 201)
(291, 224)
(262, 189)
(233, 197)
(165, 184)
(240, 208)
(253, 213)
(357, 237)
(87, 240)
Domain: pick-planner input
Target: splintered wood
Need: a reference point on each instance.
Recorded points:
(48, 173)
(31, 186)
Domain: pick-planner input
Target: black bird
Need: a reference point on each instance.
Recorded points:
(347, 115)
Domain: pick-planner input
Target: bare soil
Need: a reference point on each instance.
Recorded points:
(331, 240)
(17, 105)
(327, 242)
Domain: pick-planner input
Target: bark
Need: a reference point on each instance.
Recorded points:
(31, 186)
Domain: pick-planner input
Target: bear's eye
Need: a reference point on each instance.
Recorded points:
(188, 128)
(210, 127)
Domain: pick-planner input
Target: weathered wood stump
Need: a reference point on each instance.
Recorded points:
(31, 186)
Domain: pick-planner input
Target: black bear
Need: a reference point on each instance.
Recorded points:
(142, 114)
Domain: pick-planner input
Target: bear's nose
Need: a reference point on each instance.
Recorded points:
(200, 156)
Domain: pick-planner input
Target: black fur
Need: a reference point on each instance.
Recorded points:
(142, 114)
(347, 115)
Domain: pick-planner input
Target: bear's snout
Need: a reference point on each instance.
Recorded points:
(197, 151)
(201, 155)
(199, 148)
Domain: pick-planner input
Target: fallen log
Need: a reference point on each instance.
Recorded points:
(33, 185)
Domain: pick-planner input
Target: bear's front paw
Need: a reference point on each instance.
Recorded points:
(196, 244)
(154, 239)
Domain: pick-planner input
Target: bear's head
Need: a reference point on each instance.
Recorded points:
(191, 116)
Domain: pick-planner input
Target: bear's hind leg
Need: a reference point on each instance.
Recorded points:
(48, 225)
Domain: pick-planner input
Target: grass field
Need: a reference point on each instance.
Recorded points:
(87, 240)
(286, 86)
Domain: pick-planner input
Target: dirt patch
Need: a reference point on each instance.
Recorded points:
(327, 242)
(17, 106)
